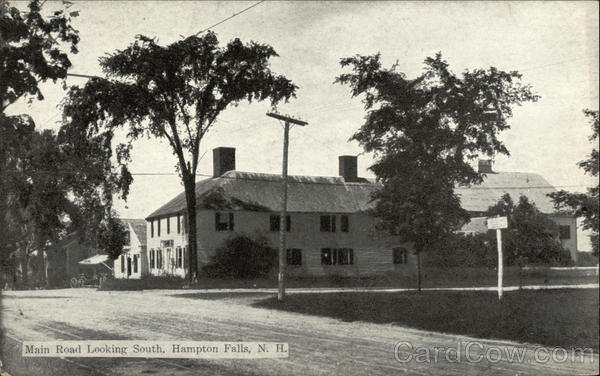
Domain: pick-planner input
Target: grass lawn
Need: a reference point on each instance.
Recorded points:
(566, 318)
(452, 277)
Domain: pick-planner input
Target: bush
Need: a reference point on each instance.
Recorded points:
(242, 256)
(586, 259)
(459, 250)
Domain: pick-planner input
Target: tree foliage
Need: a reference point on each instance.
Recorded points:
(112, 236)
(585, 204)
(423, 132)
(31, 49)
(532, 237)
(49, 184)
(174, 92)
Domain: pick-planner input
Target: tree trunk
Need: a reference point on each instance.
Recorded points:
(190, 196)
(419, 271)
(25, 269)
(43, 269)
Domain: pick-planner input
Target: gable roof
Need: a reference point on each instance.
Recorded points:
(312, 194)
(479, 198)
(256, 191)
(139, 227)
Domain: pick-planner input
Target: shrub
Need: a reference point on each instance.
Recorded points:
(586, 259)
(458, 250)
(242, 256)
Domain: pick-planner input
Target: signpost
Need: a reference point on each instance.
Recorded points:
(498, 223)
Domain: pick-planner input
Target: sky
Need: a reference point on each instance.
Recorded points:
(554, 45)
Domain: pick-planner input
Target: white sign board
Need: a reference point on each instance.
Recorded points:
(497, 223)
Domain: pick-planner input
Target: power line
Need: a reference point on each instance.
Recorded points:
(230, 17)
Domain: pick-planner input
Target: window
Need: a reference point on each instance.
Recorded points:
(178, 223)
(152, 228)
(345, 224)
(152, 259)
(185, 223)
(326, 256)
(168, 225)
(122, 264)
(224, 221)
(127, 238)
(135, 263)
(345, 256)
(337, 256)
(159, 260)
(275, 221)
(328, 223)
(565, 232)
(294, 256)
(179, 257)
(158, 227)
(400, 255)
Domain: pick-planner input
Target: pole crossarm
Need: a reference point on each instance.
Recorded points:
(287, 118)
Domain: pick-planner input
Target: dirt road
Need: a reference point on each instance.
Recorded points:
(318, 346)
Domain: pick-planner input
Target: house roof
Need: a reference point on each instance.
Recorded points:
(477, 225)
(257, 191)
(94, 260)
(139, 227)
(479, 198)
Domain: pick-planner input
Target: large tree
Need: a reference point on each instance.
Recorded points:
(175, 92)
(424, 132)
(49, 184)
(585, 204)
(31, 51)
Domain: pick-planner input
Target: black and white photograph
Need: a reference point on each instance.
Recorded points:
(299, 187)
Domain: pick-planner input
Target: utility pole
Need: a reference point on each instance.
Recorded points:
(282, 219)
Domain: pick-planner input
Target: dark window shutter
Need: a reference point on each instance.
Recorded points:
(230, 221)
(274, 223)
(325, 223)
(158, 228)
(217, 221)
(178, 223)
(288, 223)
(333, 223)
(344, 227)
(351, 256)
(326, 256)
(152, 228)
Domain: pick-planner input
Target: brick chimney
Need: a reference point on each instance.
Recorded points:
(485, 166)
(223, 160)
(348, 168)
